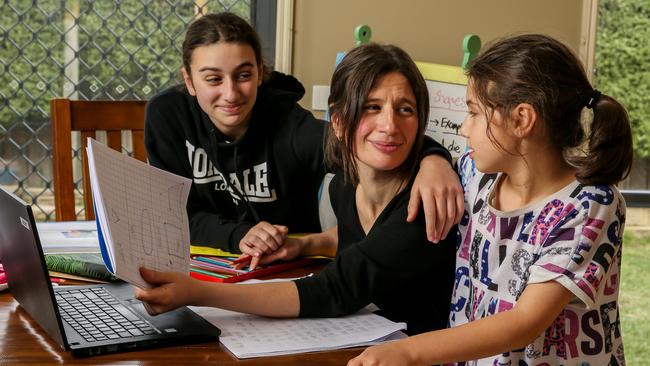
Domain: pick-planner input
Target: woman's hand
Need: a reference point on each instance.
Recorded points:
(438, 188)
(172, 290)
(263, 238)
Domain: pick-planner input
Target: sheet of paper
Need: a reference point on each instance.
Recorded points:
(68, 237)
(142, 212)
(248, 336)
(287, 279)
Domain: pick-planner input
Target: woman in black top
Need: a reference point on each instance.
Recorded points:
(379, 105)
(253, 153)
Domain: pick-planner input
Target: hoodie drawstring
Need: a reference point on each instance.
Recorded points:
(243, 197)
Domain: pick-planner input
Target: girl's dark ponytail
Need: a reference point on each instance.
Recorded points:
(609, 154)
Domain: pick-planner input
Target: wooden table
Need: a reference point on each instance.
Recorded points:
(22, 341)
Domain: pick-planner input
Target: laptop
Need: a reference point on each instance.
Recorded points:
(86, 320)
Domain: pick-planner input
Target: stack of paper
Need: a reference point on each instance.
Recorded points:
(141, 214)
(248, 336)
(68, 237)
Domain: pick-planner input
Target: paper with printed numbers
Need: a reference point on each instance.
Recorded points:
(248, 336)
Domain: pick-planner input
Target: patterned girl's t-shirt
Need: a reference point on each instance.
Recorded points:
(572, 237)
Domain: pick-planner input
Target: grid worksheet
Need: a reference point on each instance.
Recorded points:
(141, 210)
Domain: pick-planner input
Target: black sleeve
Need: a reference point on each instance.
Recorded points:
(394, 256)
(164, 138)
(165, 144)
(432, 147)
(307, 140)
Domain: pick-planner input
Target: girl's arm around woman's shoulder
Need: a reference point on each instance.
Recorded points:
(437, 189)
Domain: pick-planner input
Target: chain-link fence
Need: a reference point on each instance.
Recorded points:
(81, 49)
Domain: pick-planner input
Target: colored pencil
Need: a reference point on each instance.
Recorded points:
(215, 268)
(212, 261)
(208, 273)
(215, 259)
(242, 259)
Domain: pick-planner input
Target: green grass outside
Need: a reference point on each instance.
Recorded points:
(635, 298)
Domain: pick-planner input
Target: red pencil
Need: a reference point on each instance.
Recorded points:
(242, 259)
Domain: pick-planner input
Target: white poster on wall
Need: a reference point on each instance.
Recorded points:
(446, 114)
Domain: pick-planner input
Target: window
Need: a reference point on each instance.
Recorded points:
(623, 71)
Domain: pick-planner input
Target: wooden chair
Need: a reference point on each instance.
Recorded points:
(87, 117)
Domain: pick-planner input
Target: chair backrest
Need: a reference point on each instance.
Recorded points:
(87, 117)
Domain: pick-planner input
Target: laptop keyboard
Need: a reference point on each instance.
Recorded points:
(97, 316)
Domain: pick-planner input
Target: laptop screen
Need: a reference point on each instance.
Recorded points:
(22, 258)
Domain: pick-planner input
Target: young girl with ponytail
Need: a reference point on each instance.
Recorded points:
(538, 264)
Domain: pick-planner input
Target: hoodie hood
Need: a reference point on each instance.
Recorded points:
(284, 84)
(278, 91)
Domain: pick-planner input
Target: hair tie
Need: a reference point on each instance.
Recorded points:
(593, 99)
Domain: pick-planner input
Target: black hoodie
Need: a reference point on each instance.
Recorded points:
(274, 170)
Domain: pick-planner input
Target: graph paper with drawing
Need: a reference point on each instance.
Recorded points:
(141, 213)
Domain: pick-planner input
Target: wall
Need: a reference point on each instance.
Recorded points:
(430, 31)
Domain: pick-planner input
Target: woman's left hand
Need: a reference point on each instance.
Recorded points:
(438, 188)
(385, 354)
(172, 290)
